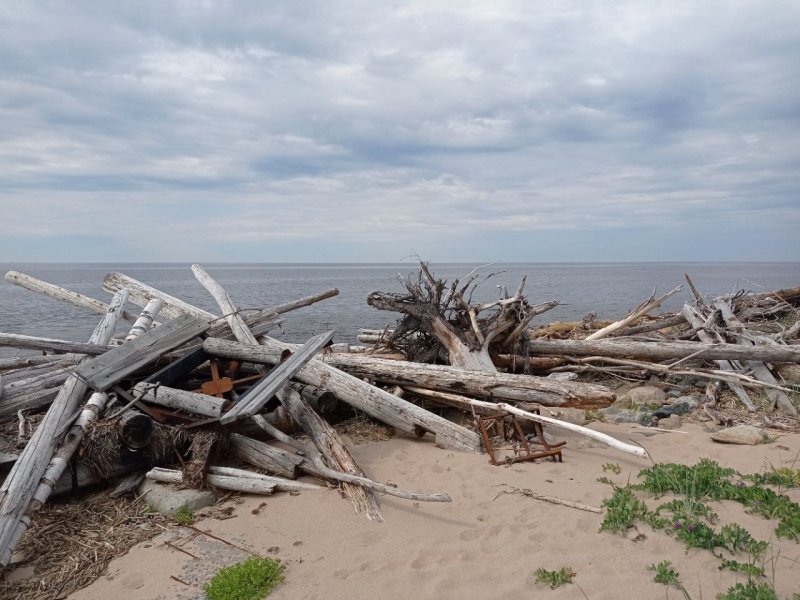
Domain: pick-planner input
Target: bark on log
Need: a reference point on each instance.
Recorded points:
(21, 483)
(658, 351)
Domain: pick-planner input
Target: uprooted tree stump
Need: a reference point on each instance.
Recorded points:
(440, 321)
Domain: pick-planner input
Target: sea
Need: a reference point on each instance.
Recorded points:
(610, 290)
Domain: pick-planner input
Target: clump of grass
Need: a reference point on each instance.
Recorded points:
(612, 467)
(666, 575)
(748, 569)
(252, 579)
(184, 516)
(555, 578)
(592, 414)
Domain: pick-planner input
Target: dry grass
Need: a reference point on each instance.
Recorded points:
(70, 544)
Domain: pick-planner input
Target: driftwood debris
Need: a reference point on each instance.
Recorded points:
(184, 397)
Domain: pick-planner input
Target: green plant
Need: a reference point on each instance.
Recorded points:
(555, 578)
(782, 477)
(613, 467)
(252, 579)
(748, 569)
(623, 509)
(184, 516)
(749, 591)
(665, 574)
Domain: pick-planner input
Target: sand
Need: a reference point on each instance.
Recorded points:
(476, 547)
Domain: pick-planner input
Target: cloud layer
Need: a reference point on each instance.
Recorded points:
(246, 131)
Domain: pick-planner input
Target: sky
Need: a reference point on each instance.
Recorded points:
(367, 131)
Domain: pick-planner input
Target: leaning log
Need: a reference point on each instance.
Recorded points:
(189, 402)
(21, 483)
(59, 293)
(31, 342)
(658, 351)
(498, 386)
(333, 451)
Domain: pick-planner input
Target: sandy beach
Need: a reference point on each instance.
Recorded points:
(480, 546)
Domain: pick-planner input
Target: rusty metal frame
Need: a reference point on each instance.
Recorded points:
(510, 431)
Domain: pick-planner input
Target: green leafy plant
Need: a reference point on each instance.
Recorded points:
(555, 578)
(252, 579)
(184, 516)
(748, 569)
(623, 509)
(666, 575)
(749, 591)
(782, 477)
(612, 467)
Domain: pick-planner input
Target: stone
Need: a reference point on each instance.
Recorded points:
(167, 499)
(741, 434)
(671, 422)
(685, 404)
(615, 414)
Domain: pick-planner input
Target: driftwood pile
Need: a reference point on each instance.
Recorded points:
(188, 387)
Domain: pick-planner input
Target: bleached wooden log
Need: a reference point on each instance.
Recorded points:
(19, 486)
(141, 294)
(16, 340)
(695, 321)
(760, 370)
(522, 388)
(74, 298)
(190, 402)
(41, 369)
(9, 407)
(231, 313)
(281, 484)
(26, 361)
(145, 320)
(224, 482)
(637, 314)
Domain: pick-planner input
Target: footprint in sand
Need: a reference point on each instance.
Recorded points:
(468, 535)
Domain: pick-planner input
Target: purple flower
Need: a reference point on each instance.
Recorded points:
(691, 528)
(677, 525)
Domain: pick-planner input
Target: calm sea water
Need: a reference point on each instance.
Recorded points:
(610, 290)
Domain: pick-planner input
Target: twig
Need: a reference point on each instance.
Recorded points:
(527, 492)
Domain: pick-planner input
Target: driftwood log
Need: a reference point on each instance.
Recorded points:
(508, 386)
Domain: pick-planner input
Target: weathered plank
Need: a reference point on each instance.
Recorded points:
(141, 294)
(106, 370)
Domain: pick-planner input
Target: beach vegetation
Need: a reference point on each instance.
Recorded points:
(252, 579)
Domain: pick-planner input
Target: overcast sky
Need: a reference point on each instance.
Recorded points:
(365, 131)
